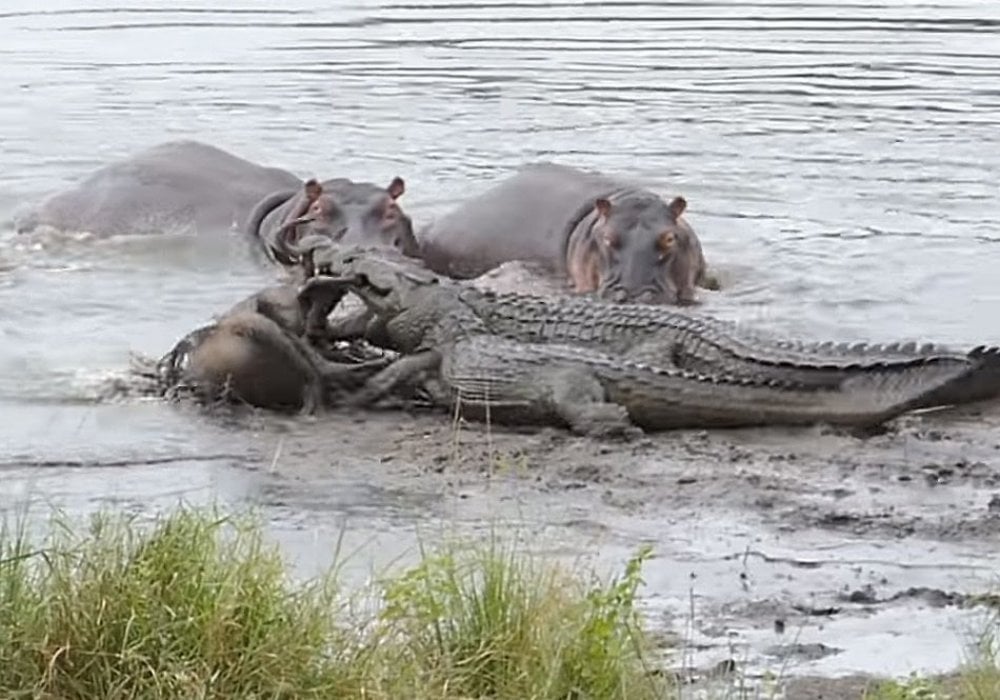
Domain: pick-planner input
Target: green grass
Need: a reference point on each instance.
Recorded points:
(198, 606)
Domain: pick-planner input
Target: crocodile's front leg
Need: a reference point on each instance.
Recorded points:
(403, 370)
(579, 399)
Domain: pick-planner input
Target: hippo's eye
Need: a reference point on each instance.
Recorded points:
(665, 243)
(612, 240)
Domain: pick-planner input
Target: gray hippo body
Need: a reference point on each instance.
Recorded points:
(340, 210)
(176, 185)
(602, 234)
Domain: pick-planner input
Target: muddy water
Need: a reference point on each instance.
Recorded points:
(840, 162)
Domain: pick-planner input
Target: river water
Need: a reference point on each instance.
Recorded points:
(840, 162)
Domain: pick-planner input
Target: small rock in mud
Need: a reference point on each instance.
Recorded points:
(863, 596)
(584, 472)
(764, 502)
(816, 612)
(837, 519)
(809, 652)
(934, 597)
(994, 505)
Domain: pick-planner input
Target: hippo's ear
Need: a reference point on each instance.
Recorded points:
(396, 188)
(677, 206)
(603, 207)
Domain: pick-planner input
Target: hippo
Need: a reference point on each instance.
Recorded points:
(247, 357)
(599, 233)
(175, 185)
(340, 210)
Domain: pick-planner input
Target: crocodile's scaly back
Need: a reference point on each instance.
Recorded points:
(619, 326)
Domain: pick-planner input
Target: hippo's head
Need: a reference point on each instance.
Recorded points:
(359, 213)
(641, 251)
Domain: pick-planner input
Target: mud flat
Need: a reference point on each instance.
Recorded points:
(797, 553)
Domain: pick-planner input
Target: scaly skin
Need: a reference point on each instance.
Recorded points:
(592, 392)
(400, 288)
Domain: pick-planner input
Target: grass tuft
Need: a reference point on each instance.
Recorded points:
(198, 606)
(489, 623)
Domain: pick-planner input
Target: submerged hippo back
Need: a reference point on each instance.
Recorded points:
(527, 216)
(596, 232)
(175, 185)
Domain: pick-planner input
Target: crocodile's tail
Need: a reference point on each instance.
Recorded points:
(893, 389)
(865, 399)
(979, 382)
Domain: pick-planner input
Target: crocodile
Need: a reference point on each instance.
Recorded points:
(647, 334)
(591, 390)
(593, 393)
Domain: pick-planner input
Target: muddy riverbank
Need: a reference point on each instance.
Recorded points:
(796, 552)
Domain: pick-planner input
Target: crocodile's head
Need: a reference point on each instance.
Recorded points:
(388, 282)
